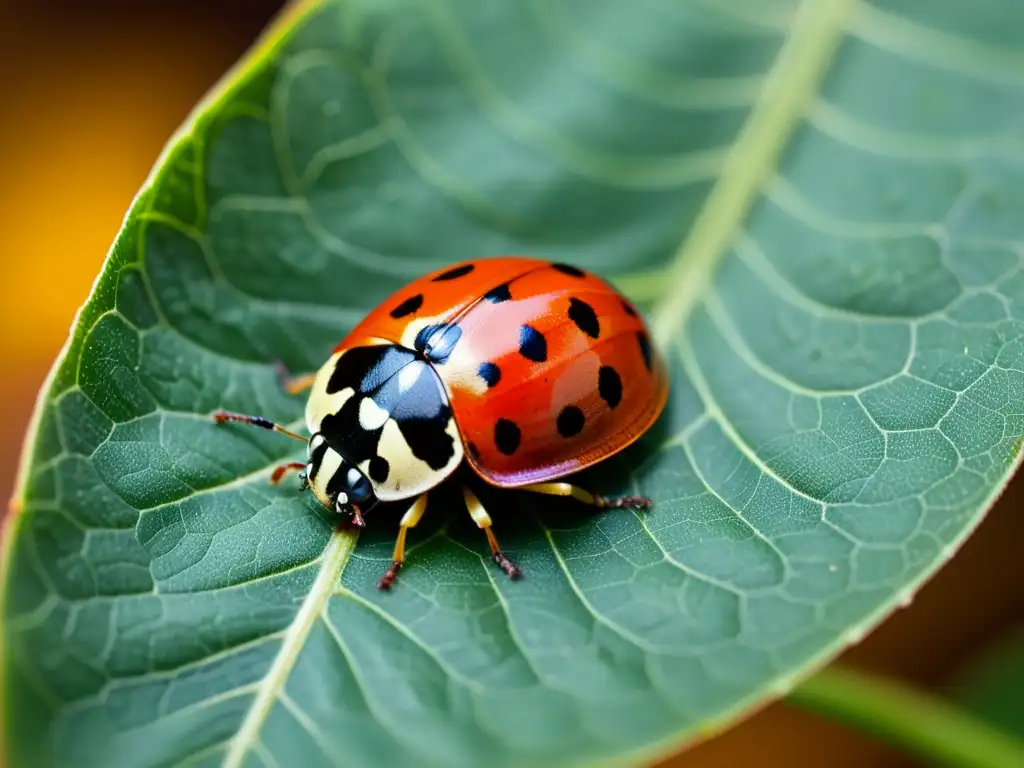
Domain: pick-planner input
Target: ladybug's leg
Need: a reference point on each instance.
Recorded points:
(293, 385)
(601, 502)
(409, 520)
(483, 520)
(284, 469)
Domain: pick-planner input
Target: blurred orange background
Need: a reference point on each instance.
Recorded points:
(91, 93)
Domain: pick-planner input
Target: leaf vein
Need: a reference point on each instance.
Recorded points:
(600, 618)
(306, 723)
(641, 80)
(602, 167)
(791, 83)
(412, 637)
(692, 368)
(333, 562)
(384, 719)
(782, 559)
(942, 50)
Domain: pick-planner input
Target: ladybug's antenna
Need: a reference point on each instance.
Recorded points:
(257, 421)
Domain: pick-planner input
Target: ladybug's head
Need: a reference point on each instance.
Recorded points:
(337, 483)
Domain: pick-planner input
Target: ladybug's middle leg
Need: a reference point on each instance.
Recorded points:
(580, 494)
(409, 520)
(483, 520)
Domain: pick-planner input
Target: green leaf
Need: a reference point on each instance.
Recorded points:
(819, 208)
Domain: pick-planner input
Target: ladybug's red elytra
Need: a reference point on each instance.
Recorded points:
(525, 369)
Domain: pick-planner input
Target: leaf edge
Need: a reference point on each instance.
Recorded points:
(275, 36)
(103, 292)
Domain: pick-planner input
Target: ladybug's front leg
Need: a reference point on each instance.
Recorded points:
(409, 520)
(601, 502)
(483, 520)
(292, 466)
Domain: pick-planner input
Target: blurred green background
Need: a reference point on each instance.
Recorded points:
(90, 93)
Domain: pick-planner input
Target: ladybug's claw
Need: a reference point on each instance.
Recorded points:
(389, 578)
(409, 520)
(503, 562)
(601, 502)
(482, 519)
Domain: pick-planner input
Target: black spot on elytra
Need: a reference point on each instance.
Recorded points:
(490, 373)
(609, 385)
(585, 317)
(473, 450)
(442, 348)
(629, 309)
(568, 269)
(645, 348)
(379, 469)
(532, 344)
(506, 436)
(498, 294)
(454, 273)
(408, 306)
(424, 336)
(437, 342)
(570, 421)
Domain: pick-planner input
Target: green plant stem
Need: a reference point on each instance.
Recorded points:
(914, 721)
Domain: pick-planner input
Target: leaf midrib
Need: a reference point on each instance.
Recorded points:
(332, 564)
(818, 28)
(792, 80)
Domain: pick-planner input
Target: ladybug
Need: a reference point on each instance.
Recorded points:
(524, 369)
